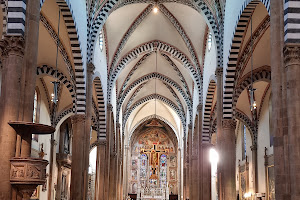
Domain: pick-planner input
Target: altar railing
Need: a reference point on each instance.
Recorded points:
(153, 193)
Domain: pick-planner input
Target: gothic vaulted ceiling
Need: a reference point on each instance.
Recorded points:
(142, 74)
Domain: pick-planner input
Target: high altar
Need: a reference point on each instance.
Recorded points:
(153, 169)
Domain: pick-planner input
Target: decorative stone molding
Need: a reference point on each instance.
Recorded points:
(229, 124)
(291, 53)
(12, 45)
(78, 119)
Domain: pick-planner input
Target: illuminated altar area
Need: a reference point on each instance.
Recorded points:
(153, 170)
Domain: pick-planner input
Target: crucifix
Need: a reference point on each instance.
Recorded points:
(154, 158)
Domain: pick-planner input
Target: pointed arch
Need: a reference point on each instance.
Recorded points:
(101, 107)
(208, 109)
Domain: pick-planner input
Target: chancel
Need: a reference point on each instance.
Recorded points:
(149, 99)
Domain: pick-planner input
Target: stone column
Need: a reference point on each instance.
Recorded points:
(118, 153)
(219, 75)
(77, 172)
(205, 172)
(185, 172)
(100, 170)
(190, 150)
(279, 112)
(292, 67)
(126, 164)
(30, 60)
(12, 52)
(195, 162)
(227, 156)
(108, 148)
(88, 123)
(254, 167)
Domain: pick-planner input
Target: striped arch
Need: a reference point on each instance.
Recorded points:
(66, 12)
(62, 114)
(47, 70)
(291, 22)
(148, 47)
(153, 117)
(260, 74)
(207, 118)
(110, 5)
(240, 31)
(248, 123)
(101, 107)
(151, 97)
(161, 77)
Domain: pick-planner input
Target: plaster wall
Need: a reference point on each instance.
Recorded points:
(78, 9)
(263, 141)
(100, 63)
(210, 64)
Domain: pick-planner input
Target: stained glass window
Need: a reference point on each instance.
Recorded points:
(35, 104)
(163, 170)
(101, 40)
(144, 166)
(209, 41)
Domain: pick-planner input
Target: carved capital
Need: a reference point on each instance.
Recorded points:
(229, 123)
(200, 107)
(118, 125)
(101, 142)
(12, 45)
(109, 107)
(291, 53)
(254, 147)
(78, 119)
(219, 72)
(90, 68)
(190, 126)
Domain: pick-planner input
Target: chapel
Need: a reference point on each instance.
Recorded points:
(150, 100)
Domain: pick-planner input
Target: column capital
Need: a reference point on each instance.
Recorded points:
(200, 107)
(12, 45)
(101, 142)
(291, 54)
(190, 126)
(229, 123)
(78, 118)
(90, 68)
(254, 147)
(118, 125)
(109, 107)
(219, 72)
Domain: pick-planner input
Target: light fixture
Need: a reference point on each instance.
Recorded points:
(155, 9)
(253, 105)
(54, 95)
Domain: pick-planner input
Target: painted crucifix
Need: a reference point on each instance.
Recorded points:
(154, 158)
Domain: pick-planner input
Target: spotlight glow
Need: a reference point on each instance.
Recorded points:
(213, 156)
(155, 10)
(247, 195)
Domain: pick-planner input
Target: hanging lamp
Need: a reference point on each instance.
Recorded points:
(253, 105)
(54, 95)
